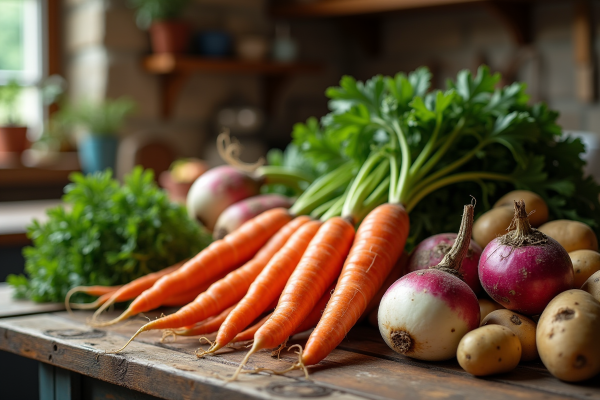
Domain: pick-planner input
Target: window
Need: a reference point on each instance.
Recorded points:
(22, 24)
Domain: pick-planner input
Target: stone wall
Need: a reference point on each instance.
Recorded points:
(104, 48)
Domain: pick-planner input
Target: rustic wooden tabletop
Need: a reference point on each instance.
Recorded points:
(361, 367)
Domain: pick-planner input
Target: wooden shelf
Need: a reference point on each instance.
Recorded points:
(176, 69)
(335, 8)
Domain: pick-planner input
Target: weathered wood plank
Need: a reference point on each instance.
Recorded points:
(362, 367)
(150, 369)
(10, 307)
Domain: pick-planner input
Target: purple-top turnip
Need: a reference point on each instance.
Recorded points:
(238, 213)
(524, 269)
(424, 314)
(430, 252)
(217, 189)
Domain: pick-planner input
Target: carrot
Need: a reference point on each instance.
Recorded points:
(315, 315)
(226, 291)
(133, 289)
(248, 334)
(207, 326)
(379, 242)
(103, 291)
(221, 256)
(319, 267)
(267, 287)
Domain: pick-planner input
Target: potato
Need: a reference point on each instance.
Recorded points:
(492, 224)
(533, 202)
(522, 326)
(490, 349)
(585, 263)
(592, 285)
(486, 306)
(572, 235)
(567, 336)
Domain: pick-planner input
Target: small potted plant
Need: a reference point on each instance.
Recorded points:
(13, 136)
(99, 124)
(168, 33)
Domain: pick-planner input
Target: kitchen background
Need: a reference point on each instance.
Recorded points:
(96, 46)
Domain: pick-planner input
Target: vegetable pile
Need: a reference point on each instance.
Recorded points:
(388, 149)
(107, 234)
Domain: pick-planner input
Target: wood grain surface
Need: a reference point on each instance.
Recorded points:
(361, 367)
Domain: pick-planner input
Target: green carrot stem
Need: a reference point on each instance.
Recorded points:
(322, 209)
(440, 152)
(377, 197)
(283, 175)
(449, 168)
(322, 188)
(428, 149)
(351, 203)
(405, 166)
(335, 210)
(462, 177)
(365, 189)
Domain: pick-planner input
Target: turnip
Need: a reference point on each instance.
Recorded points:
(238, 213)
(524, 269)
(217, 189)
(430, 252)
(425, 313)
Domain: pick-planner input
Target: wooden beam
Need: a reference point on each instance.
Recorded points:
(329, 8)
(585, 82)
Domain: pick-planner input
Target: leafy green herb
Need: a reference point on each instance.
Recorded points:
(471, 139)
(106, 234)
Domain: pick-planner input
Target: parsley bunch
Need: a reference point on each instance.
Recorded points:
(107, 234)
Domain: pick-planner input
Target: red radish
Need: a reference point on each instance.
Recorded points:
(217, 189)
(430, 252)
(236, 214)
(426, 313)
(524, 269)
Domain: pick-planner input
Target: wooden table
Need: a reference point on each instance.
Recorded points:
(73, 360)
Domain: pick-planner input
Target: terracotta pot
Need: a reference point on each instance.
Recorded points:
(13, 139)
(171, 36)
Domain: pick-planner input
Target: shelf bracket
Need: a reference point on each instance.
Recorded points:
(171, 84)
(517, 16)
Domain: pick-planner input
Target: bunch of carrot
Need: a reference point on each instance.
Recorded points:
(290, 260)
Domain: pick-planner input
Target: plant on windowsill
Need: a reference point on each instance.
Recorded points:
(168, 32)
(13, 136)
(100, 124)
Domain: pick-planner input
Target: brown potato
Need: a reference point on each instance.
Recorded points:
(592, 285)
(567, 336)
(572, 235)
(491, 349)
(533, 202)
(522, 326)
(585, 263)
(492, 224)
(486, 306)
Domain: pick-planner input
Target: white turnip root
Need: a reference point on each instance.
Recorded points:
(238, 213)
(430, 252)
(425, 313)
(524, 269)
(217, 189)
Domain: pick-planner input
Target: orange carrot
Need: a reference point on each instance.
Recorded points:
(133, 289)
(248, 334)
(221, 256)
(103, 291)
(319, 267)
(226, 291)
(209, 325)
(315, 315)
(378, 245)
(267, 287)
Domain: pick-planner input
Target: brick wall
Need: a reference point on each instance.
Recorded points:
(104, 48)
